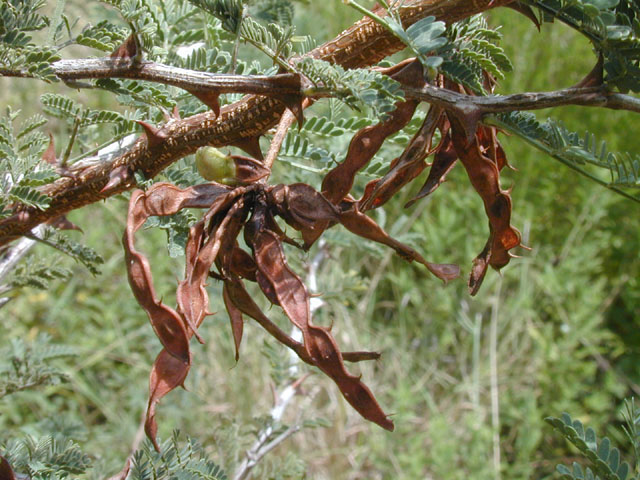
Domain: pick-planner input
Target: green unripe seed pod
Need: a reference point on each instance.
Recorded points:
(213, 165)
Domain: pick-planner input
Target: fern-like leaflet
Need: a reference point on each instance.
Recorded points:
(356, 87)
(574, 150)
(472, 51)
(26, 365)
(20, 163)
(175, 460)
(604, 459)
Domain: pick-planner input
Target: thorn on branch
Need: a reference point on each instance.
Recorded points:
(49, 155)
(117, 177)
(595, 78)
(155, 136)
(209, 98)
(130, 49)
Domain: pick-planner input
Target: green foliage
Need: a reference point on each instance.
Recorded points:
(423, 38)
(473, 49)
(56, 457)
(355, 87)
(103, 36)
(141, 96)
(229, 12)
(612, 27)
(275, 39)
(575, 150)
(324, 127)
(283, 367)
(64, 107)
(20, 162)
(29, 197)
(182, 173)
(276, 11)
(45, 458)
(603, 458)
(272, 39)
(28, 365)
(176, 461)
(463, 51)
(299, 147)
(206, 60)
(146, 19)
(19, 17)
(177, 228)
(631, 428)
(83, 254)
(308, 145)
(18, 55)
(37, 60)
(37, 275)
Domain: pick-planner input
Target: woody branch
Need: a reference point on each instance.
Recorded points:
(281, 84)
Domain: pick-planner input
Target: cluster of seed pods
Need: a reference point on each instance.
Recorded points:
(252, 207)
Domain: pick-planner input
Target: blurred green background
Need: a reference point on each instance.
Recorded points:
(468, 380)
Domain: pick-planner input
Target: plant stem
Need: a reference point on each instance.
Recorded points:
(236, 44)
(376, 18)
(72, 139)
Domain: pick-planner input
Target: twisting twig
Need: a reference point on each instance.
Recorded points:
(584, 96)
(79, 69)
(70, 71)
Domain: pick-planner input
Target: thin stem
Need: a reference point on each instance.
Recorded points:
(46, 242)
(236, 44)
(376, 18)
(5, 72)
(74, 134)
(271, 54)
(262, 445)
(286, 121)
